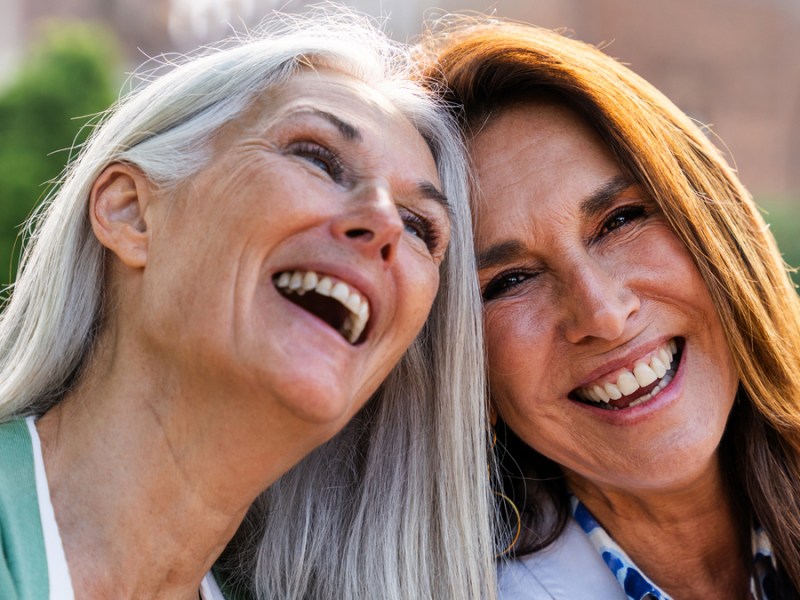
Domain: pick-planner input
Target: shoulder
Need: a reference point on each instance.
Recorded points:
(17, 479)
(568, 569)
(15, 443)
(23, 562)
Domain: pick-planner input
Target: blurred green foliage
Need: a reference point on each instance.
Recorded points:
(71, 73)
(783, 216)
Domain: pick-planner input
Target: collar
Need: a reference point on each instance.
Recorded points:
(636, 584)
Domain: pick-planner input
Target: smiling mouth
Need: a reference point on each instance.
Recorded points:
(333, 301)
(634, 386)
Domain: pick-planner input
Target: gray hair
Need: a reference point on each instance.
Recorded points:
(396, 506)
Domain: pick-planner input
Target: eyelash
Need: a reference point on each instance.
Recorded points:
(506, 281)
(421, 227)
(622, 217)
(502, 283)
(324, 158)
(416, 224)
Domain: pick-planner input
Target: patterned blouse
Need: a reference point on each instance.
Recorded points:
(636, 584)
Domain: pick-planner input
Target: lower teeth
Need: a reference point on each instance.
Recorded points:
(350, 330)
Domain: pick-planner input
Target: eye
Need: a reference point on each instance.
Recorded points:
(623, 216)
(505, 283)
(321, 157)
(423, 228)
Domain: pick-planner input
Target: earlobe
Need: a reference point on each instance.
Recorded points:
(117, 207)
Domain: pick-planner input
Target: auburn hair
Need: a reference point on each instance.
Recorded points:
(487, 64)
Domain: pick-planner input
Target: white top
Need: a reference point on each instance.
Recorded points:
(57, 568)
(209, 589)
(569, 569)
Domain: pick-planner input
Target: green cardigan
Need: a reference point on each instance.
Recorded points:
(23, 561)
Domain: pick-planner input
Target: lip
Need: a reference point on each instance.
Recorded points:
(353, 277)
(636, 414)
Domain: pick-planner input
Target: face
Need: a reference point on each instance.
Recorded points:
(606, 353)
(296, 268)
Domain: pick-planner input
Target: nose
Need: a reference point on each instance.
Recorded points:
(599, 303)
(371, 222)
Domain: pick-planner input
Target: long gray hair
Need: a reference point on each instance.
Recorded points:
(394, 506)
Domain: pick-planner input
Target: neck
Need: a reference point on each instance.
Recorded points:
(691, 541)
(150, 482)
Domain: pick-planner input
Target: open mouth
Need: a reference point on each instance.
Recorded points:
(637, 385)
(333, 301)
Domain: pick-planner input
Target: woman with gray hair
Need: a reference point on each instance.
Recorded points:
(225, 296)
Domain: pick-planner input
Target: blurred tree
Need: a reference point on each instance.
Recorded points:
(70, 74)
(783, 216)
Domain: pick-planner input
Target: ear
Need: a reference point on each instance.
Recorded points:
(117, 207)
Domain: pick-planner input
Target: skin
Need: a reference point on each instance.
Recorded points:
(207, 384)
(573, 292)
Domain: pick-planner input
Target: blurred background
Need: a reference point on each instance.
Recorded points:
(731, 64)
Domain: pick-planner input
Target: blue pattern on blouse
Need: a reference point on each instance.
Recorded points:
(638, 587)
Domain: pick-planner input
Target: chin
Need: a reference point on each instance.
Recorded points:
(322, 405)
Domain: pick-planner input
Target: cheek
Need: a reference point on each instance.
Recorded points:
(518, 345)
(417, 285)
(687, 289)
(516, 353)
(663, 258)
(414, 296)
(534, 421)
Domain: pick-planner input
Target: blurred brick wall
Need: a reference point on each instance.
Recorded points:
(141, 25)
(733, 64)
(11, 35)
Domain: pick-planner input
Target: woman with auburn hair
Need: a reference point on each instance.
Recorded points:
(236, 288)
(643, 335)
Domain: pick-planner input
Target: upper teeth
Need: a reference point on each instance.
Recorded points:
(642, 375)
(300, 282)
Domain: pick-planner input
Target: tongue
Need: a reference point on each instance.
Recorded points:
(626, 401)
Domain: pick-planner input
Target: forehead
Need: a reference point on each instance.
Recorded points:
(327, 85)
(532, 139)
(352, 100)
(536, 157)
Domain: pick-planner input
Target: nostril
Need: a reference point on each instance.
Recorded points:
(386, 251)
(357, 233)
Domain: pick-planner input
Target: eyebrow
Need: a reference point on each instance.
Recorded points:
(498, 254)
(351, 133)
(427, 190)
(597, 202)
(348, 131)
(594, 204)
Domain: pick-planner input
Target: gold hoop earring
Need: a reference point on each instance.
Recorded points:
(519, 524)
(507, 499)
